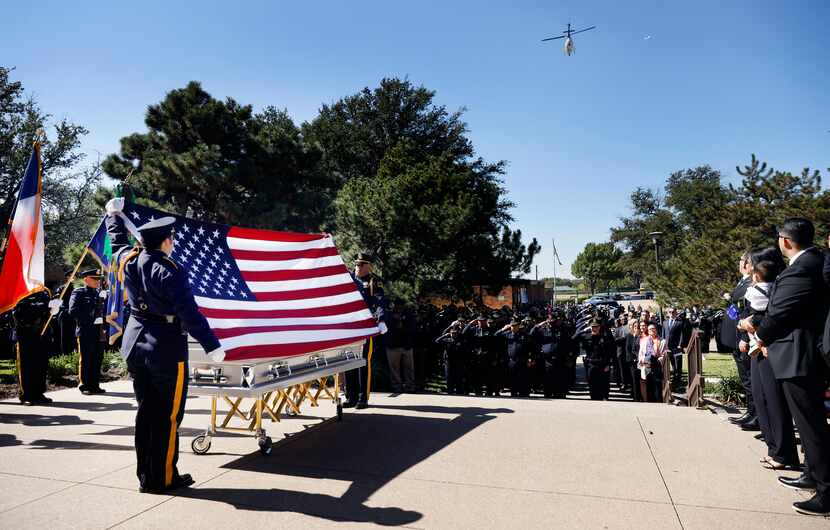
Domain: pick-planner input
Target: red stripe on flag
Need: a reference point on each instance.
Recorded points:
(285, 350)
(11, 276)
(272, 235)
(235, 332)
(302, 294)
(299, 274)
(280, 255)
(284, 313)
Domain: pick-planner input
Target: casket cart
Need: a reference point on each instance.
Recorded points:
(276, 385)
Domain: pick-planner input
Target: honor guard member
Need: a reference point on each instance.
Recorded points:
(599, 349)
(86, 306)
(162, 313)
(29, 316)
(359, 381)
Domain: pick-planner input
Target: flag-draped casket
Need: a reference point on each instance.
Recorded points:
(264, 293)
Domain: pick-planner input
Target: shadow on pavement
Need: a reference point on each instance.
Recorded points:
(39, 420)
(367, 448)
(9, 440)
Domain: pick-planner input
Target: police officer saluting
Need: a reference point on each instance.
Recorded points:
(86, 306)
(162, 313)
(358, 381)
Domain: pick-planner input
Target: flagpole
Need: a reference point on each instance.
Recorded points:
(553, 247)
(65, 287)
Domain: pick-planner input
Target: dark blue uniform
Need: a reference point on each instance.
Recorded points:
(359, 381)
(162, 312)
(31, 348)
(553, 340)
(518, 345)
(599, 351)
(85, 306)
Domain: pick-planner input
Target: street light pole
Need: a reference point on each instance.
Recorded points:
(655, 236)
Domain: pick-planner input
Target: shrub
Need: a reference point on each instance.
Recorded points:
(62, 366)
(114, 365)
(730, 390)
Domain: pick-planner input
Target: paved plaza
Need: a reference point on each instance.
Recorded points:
(414, 461)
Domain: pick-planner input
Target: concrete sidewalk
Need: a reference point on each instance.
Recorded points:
(417, 461)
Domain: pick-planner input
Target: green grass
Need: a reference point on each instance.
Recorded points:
(719, 365)
(8, 372)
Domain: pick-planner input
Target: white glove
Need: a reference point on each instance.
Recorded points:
(103, 294)
(115, 205)
(217, 355)
(382, 327)
(54, 306)
(727, 296)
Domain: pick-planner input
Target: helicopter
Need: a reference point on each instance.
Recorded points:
(569, 42)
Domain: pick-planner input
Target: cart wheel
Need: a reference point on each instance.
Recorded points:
(339, 412)
(200, 444)
(265, 445)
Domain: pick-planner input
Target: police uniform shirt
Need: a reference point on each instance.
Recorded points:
(85, 308)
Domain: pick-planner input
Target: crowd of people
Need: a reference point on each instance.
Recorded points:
(779, 328)
(536, 351)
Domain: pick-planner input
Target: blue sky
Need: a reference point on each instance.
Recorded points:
(717, 81)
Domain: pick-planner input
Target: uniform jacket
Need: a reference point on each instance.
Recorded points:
(85, 307)
(599, 349)
(795, 318)
(159, 286)
(371, 288)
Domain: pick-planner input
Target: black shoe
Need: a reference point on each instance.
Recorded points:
(348, 404)
(751, 425)
(801, 482)
(749, 419)
(362, 405)
(85, 391)
(98, 390)
(759, 436)
(739, 419)
(814, 506)
(42, 400)
(179, 481)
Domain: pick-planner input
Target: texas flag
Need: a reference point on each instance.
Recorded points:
(22, 269)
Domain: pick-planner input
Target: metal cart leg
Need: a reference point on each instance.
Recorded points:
(263, 441)
(337, 400)
(201, 444)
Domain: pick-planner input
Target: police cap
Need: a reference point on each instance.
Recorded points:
(364, 257)
(91, 273)
(156, 231)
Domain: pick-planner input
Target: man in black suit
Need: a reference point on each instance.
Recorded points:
(791, 332)
(677, 331)
(740, 350)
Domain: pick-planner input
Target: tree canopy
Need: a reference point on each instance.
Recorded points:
(708, 224)
(220, 161)
(384, 169)
(598, 264)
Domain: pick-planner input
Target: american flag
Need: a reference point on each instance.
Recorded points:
(266, 293)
